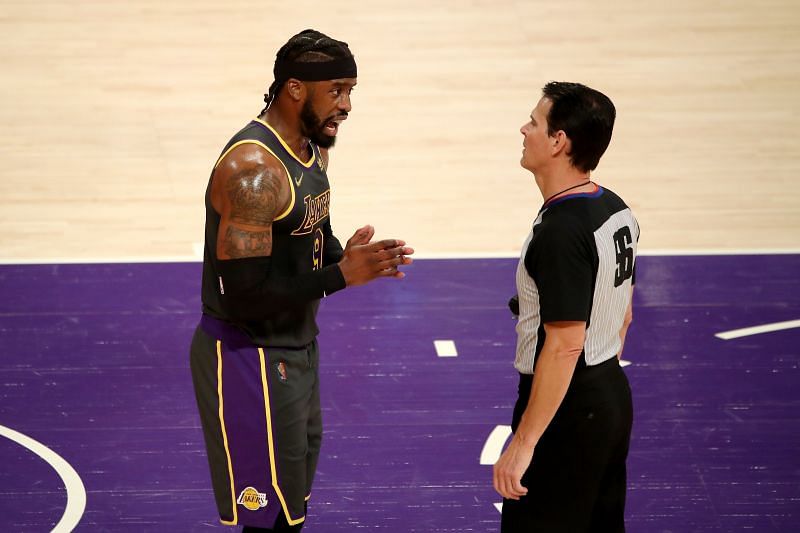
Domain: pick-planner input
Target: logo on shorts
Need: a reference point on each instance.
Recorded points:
(252, 499)
(281, 370)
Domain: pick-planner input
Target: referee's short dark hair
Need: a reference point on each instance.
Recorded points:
(585, 115)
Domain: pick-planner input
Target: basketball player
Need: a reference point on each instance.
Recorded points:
(270, 256)
(564, 469)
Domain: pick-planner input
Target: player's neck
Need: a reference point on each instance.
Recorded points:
(287, 125)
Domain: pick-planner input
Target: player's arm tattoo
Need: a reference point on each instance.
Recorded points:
(245, 243)
(253, 195)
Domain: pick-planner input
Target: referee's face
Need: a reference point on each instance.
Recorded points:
(536, 141)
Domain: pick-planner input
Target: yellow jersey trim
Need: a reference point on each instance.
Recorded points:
(225, 435)
(306, 164)
(288, 175)
(275, 486)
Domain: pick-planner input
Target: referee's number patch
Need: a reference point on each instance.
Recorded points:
(622, 240)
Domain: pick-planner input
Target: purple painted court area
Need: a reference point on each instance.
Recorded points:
(95, 366)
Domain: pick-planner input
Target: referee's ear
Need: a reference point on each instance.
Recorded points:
(560, 143)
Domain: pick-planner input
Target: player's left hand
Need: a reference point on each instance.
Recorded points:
(362, 236)
(508, 470)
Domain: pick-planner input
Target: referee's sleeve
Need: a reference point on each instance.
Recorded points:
(560, 264)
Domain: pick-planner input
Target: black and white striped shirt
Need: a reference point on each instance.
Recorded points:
(577, 264)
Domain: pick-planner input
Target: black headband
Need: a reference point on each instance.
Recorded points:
(344, 67)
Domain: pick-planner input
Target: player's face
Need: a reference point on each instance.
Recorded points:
(327, 105)
(536, 142)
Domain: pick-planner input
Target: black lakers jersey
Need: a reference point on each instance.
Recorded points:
(298, 239)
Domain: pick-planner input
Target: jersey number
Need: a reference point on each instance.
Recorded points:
(318, 247)
(622, 239)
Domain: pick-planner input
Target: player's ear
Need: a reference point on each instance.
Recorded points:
(297, 89)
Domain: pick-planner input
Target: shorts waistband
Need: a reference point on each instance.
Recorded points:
(224, 331)
(235, 337)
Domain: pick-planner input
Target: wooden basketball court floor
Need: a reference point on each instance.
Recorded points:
(114, 112)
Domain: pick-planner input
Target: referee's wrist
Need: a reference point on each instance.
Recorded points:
(526, 439)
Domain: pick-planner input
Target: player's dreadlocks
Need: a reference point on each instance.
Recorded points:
(308, 46)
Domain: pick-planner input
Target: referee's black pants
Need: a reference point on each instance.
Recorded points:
(577, 479)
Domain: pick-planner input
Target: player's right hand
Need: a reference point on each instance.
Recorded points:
(362, 263)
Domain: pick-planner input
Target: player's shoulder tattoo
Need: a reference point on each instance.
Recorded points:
(254, 195)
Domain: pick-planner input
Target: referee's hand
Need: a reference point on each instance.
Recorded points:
(508, 470)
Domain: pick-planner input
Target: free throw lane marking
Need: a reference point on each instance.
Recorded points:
(755, 330)
(494, 444)
(492, 448)
(445, 348)
(76, 492)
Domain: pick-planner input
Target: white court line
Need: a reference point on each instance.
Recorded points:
(101, 260)
(494, 444)
(755, 330)
(514, 254)
(721, 251)
(623, 363)
(445, 348)
(76, 492)
(467, 255)
(492, 448)
(196, 256)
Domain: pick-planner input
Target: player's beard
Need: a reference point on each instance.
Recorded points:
(311, 127)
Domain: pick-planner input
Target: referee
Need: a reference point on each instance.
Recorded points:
(564, 469)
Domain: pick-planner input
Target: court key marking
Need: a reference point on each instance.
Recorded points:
(755, 330)
(76, 492)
